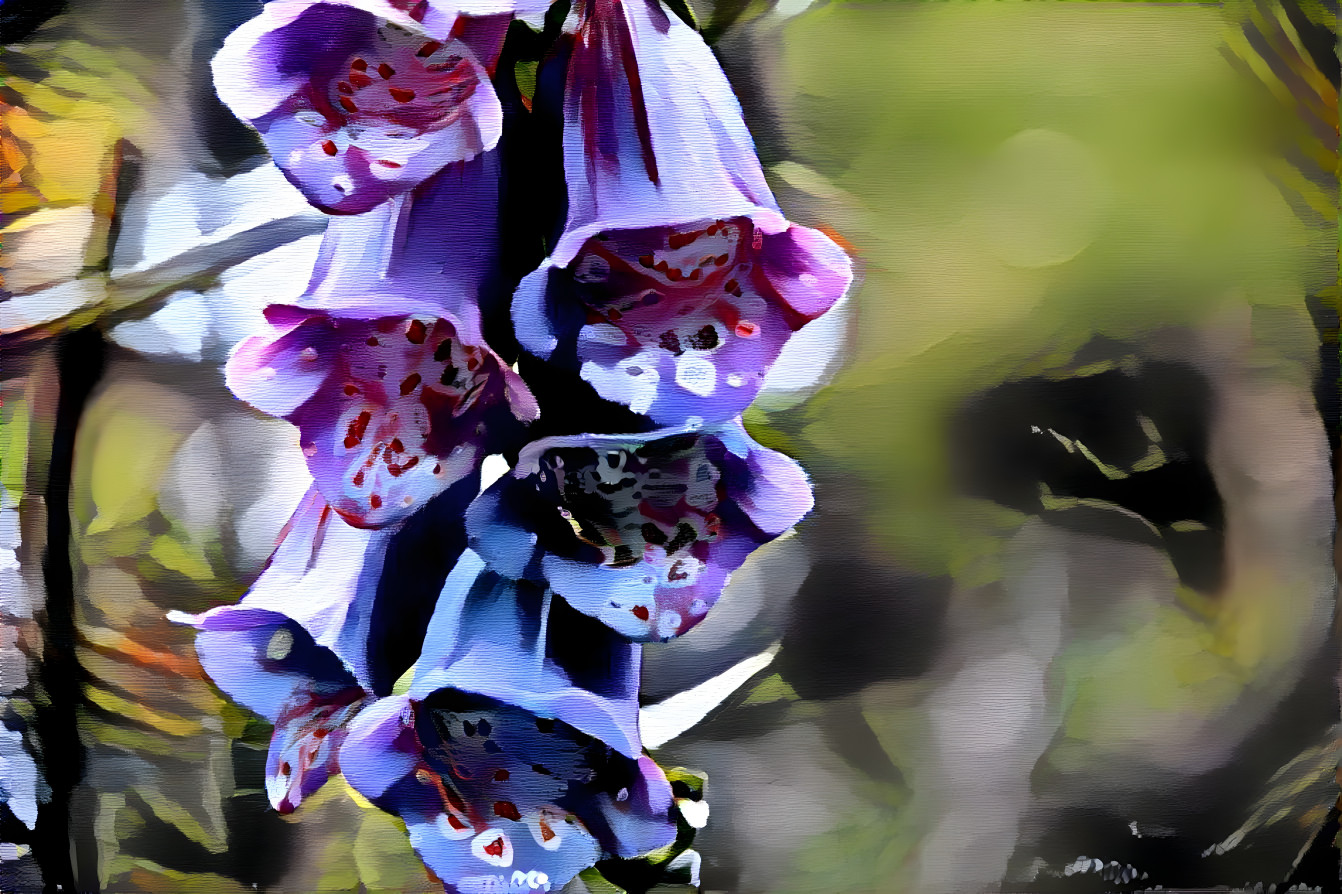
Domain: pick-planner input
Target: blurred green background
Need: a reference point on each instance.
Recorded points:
(1063, 619)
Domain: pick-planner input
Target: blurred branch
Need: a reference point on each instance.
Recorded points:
(76, 303)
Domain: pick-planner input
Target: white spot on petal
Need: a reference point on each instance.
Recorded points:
(281, 643)
(696, 375)
(493, 847)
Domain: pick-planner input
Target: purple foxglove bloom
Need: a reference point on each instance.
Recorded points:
(382, 365)
(515, 752)
(360, 100)
(676, 280)
(639, 531)
(305, 647)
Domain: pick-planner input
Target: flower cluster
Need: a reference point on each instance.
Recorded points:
(469, 659)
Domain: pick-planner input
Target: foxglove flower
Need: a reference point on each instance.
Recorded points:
(382, 364)
(359, 100)
(639, 531)
(515, 752)
(305, 648)
(676, 280)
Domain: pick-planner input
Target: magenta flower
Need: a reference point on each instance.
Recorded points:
(360, 100)
(676, 280)
(382, 365)
(293, 650)
(515, 752)
(638, 531)
(334, 619)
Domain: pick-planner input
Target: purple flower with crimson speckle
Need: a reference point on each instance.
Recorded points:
(360, 100)
(639, 531)
(677, 280)
(516, 747)
(382, 364)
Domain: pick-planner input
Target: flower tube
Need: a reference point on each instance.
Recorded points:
(676, 280)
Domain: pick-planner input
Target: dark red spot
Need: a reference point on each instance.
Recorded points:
(359, 79)
(329, 148)
(357, 427)
(720, 260)
(389, 164)
(396, 446)
(385, 71)
(731, 285)
(358, 478)
(372, 341)
(614, 315)
(646, 260)
(345, 88)
(680, 240)
(507, 810)
(348, 105)
(694, 274)
(398, 471)
(495, 849)
(320, 733)
(473, 364)
(410, 384)
(416, 332)
(501, 775)
(746, 329)
(285, 769)
(400, 94)
(640, 612)
(429, 49)
(375, 501)
(351, 390)
(359, 65)
(458, 824)
(546, 832)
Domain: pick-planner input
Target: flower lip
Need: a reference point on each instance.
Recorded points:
(639, 532)
(355, 101)
(391, 411)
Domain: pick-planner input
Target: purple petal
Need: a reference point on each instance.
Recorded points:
(306, 743)
(321, 581)
(487, 788)
(499, 638)
(638, 531)
(354, 100)
(806, 269)
(399, 412)
(653, 135)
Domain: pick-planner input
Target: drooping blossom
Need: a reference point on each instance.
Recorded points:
(324, 630)
(382, 364)
(360, 100)
(639, 531)
(515, 752)
(676, 280)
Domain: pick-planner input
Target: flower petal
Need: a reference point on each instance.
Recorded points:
(638, 531)
(355, 101)
(653, 135)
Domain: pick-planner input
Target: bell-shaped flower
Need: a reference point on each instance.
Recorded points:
(360, 100)
(382, 364)
(514, 757)
(323, 630)
(638, 531)
(676, 280)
